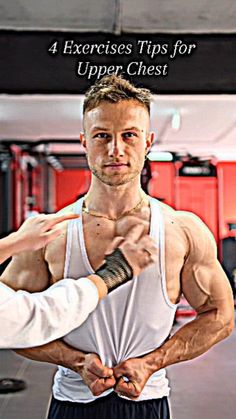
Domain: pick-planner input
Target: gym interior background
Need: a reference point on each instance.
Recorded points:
(45, 69)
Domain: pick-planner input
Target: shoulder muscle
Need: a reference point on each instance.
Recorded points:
(27, 271)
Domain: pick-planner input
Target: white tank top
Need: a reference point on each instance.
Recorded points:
(129, 322)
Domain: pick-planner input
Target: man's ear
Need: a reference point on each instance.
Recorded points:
(149, 141)
(82, 139)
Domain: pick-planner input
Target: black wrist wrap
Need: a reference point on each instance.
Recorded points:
(115, 271)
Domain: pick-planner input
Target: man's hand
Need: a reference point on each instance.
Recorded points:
(131, 376)
(96, 376)
(140, 251)
(124, 224)
(38, 231)
(35, 233)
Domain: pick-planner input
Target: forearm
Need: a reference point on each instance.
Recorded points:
(191, 340)
(57, 352)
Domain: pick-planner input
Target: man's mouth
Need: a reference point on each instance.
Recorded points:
(116, 164)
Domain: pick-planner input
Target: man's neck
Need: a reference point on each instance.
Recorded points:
(113, 201)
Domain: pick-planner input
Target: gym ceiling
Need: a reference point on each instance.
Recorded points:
(198, 93)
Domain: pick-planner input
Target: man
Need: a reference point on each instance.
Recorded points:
(113, 365)
(27, 319)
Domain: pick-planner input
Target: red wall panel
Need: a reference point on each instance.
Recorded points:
(161, 185)
(227, 197)
(198, 195)
(38, 188)
(69, 184)
(20, 186)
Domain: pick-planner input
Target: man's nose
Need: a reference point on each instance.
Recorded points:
(116, 147)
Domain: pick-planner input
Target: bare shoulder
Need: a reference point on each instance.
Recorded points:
(202, 245)
(27, 271)
(191, 263)
(191, 231)
(33, 271)
(175, 236)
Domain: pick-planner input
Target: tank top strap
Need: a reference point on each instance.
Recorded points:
(156, 219)
(78, 206)
(158, 229)
(72, 237)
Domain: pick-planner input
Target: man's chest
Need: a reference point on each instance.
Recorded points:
(97, 240)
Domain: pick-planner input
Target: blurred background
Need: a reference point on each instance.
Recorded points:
(192, 164)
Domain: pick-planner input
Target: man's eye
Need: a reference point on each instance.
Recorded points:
(102, 135)
(129, 134)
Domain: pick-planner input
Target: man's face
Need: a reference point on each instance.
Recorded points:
(116, 139)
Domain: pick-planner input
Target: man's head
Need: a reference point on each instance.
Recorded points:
(116, 129)
(113, 89)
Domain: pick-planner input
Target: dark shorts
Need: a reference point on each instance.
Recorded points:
(110, 407)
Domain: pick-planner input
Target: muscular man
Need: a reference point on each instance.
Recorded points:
(27, 319)
(113, 365)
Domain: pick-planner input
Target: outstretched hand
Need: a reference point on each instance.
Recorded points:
(38, 231)
(139, 249)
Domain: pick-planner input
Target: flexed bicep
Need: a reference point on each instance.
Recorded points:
(206, 287)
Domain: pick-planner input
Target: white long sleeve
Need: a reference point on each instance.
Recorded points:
(28, 320)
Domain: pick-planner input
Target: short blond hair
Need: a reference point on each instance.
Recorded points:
(113, 89)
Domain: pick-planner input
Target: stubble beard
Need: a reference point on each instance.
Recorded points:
(115, 180)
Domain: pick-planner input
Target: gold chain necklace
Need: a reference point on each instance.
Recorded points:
(96, 214)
